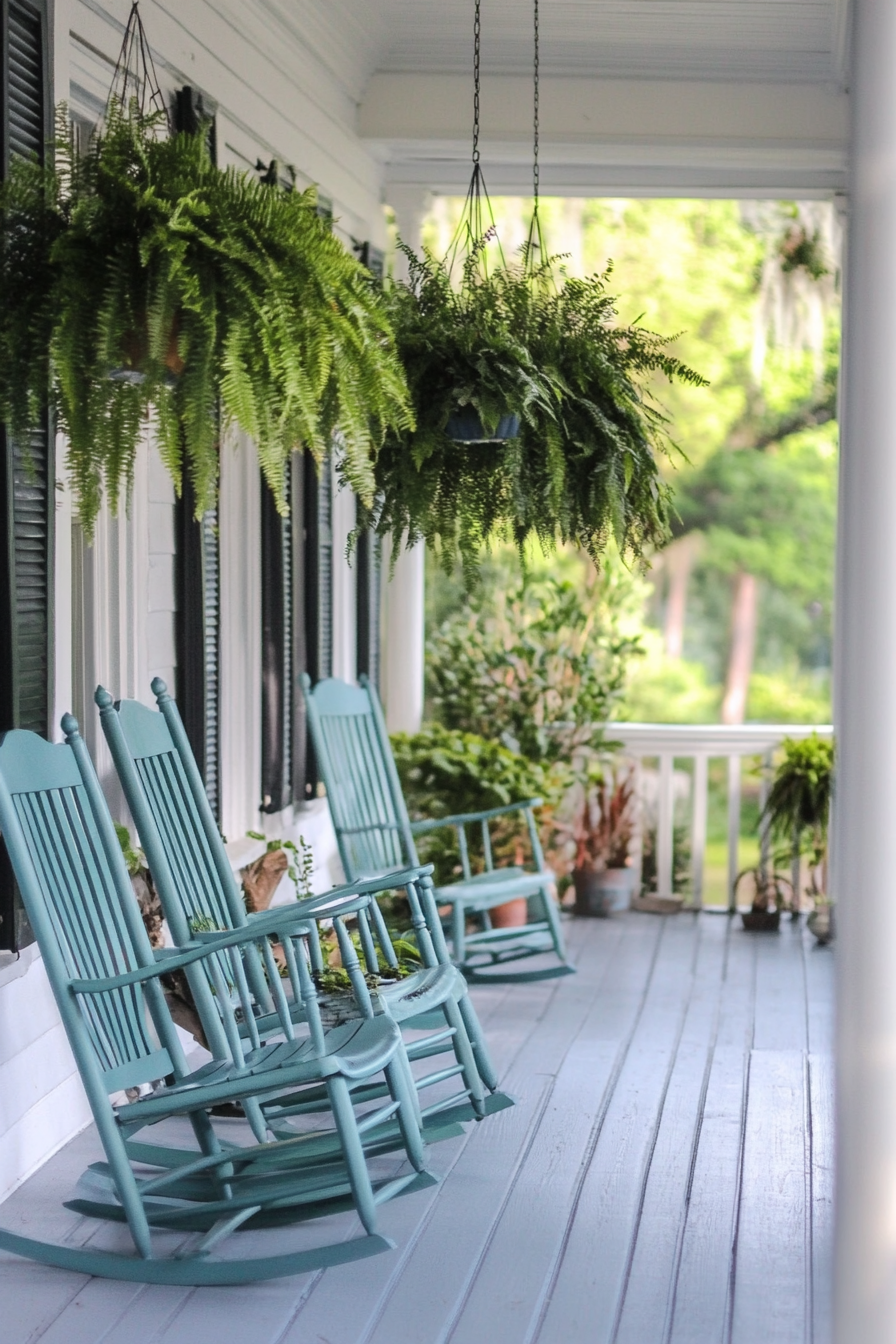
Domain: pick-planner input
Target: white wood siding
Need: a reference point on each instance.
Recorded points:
(280, 95)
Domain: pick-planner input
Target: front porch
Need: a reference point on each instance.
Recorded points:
(665, 1178)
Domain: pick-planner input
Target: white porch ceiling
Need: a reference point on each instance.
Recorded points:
(738, 97)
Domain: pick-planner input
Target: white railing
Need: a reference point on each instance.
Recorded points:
(667, 743)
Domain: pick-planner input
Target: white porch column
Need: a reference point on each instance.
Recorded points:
(864, 850)
(401, 676)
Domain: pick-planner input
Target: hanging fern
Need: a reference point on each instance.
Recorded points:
(584, 464)
(140, 278)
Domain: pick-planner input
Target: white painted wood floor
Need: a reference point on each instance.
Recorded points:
(666, 1177)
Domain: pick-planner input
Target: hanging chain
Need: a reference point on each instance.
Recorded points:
(134, 78)
(477, 30)
(535, 120)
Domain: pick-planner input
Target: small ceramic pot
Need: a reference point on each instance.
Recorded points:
(465, 426)
(602, 893)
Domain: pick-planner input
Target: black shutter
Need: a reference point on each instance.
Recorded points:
(197, 568)
(277, 651)
(197, 583)
(297, 627)
(368, 568)
(316, 599)
(26, 468)
(368, 555)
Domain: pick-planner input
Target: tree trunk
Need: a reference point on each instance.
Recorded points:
(679, 561)
(743, 644)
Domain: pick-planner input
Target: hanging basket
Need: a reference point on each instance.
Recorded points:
(465, 426)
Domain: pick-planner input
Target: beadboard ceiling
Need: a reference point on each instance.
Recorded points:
(757, 40)
(622, 83)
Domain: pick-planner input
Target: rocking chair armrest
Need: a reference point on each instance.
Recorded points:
(202, 946)
(287, 917)
(182, 956)
(341, 900)
(465, 818)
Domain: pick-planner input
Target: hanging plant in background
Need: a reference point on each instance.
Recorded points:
(518, 343)
(141, 279)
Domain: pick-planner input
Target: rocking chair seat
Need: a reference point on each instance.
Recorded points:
(421, 992)
(356, 1049)
(480, 891)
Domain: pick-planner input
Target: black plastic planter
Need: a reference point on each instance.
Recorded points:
(465, 426)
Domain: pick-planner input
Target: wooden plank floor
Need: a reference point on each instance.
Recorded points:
(665, 1177)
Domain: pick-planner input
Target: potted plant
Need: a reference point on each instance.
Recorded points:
(798, 812)
(139, 278)
(510, 344)
(600, 833)
(770, 894)
(335, 994)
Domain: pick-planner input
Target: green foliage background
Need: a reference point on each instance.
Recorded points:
(759, 482)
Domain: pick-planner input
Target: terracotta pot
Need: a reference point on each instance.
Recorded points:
(602, 893)
(510, 915)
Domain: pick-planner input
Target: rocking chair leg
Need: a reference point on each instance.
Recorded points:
(464, 1051)
(552, 915)
(484, 1065)
(401, 1087)
(458, 932)
(358, 1175)
(256, 1119)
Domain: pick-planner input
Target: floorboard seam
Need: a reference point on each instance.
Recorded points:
(669, 1322)
(394, 1278)
(810, 1193)
(451, 1325)
(648, 1161)
(588, 1156)
(732, 1272)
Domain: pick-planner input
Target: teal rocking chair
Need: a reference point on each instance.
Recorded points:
(196, 886)
(106, 981)
(374, 832)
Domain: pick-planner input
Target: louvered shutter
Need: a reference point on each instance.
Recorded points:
(277, 651)
(198, 569)
(197, 580)
(368, 567)
(314, 592)
(26, 468)
(297, 626)
(368, 558)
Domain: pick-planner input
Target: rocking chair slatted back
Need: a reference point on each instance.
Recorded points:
(184, 848)
(78, 896)
(366, 802)
(182, 838)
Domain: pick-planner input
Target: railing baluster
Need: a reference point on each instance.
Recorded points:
(665, 827)
(733, 827)
(765, 841)
(659, 745)
(698, 826)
